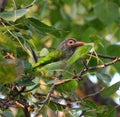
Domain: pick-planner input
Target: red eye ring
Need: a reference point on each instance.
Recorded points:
(70, 42)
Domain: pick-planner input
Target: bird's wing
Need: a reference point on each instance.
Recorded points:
(51, 57)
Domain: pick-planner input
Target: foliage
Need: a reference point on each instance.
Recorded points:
(30, 30)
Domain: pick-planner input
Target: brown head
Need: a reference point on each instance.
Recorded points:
(69, 46)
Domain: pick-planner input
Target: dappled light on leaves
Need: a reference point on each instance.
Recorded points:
(10, 71)
(49, 51)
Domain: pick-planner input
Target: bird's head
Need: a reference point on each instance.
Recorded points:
(69, 46)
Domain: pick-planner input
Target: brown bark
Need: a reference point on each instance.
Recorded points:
(3, 4)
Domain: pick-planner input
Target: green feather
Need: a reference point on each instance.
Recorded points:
(51, 57)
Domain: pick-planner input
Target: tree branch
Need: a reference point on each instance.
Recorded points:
(93, 94)
(99, 66)
(103, 56)
(3, 4)
(25, 108)
(46, 100)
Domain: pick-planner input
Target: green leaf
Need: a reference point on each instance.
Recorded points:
(101, 108)
(70, 86)
(41, 27)
(25, 82)
(8, 114)
(55, 16)
(54, 106)
(80, 52)
(20, 113)
(106, 111)
(111, 90)
(107, 12)
(21, 52)
(93, 61)
(90, 113)
(113, 50)
(4, 89)
(95, 39)
(10, 70)
(7, 73)
(111, 111)
(87, 33)
(6, 43)
(117, 34)
(13, 15)
(1, 57)
(44, 52)
(104, 76)
(27, 66)
(90, 103)
(22, 3)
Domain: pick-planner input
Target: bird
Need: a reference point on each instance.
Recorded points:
(64, 51)
(68, 46)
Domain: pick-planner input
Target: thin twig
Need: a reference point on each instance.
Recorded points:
(39, 95)
(99, 66)
(46, 100)
(103, 56)
(9, 55)
(25, 108)
(19, 104)
(93, 94)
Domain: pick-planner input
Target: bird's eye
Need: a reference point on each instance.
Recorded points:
(70, 42)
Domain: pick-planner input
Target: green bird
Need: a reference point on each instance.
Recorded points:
(64, 51)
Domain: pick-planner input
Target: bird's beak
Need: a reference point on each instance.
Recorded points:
(79, 43)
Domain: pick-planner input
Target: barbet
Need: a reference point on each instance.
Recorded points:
(64, 51)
